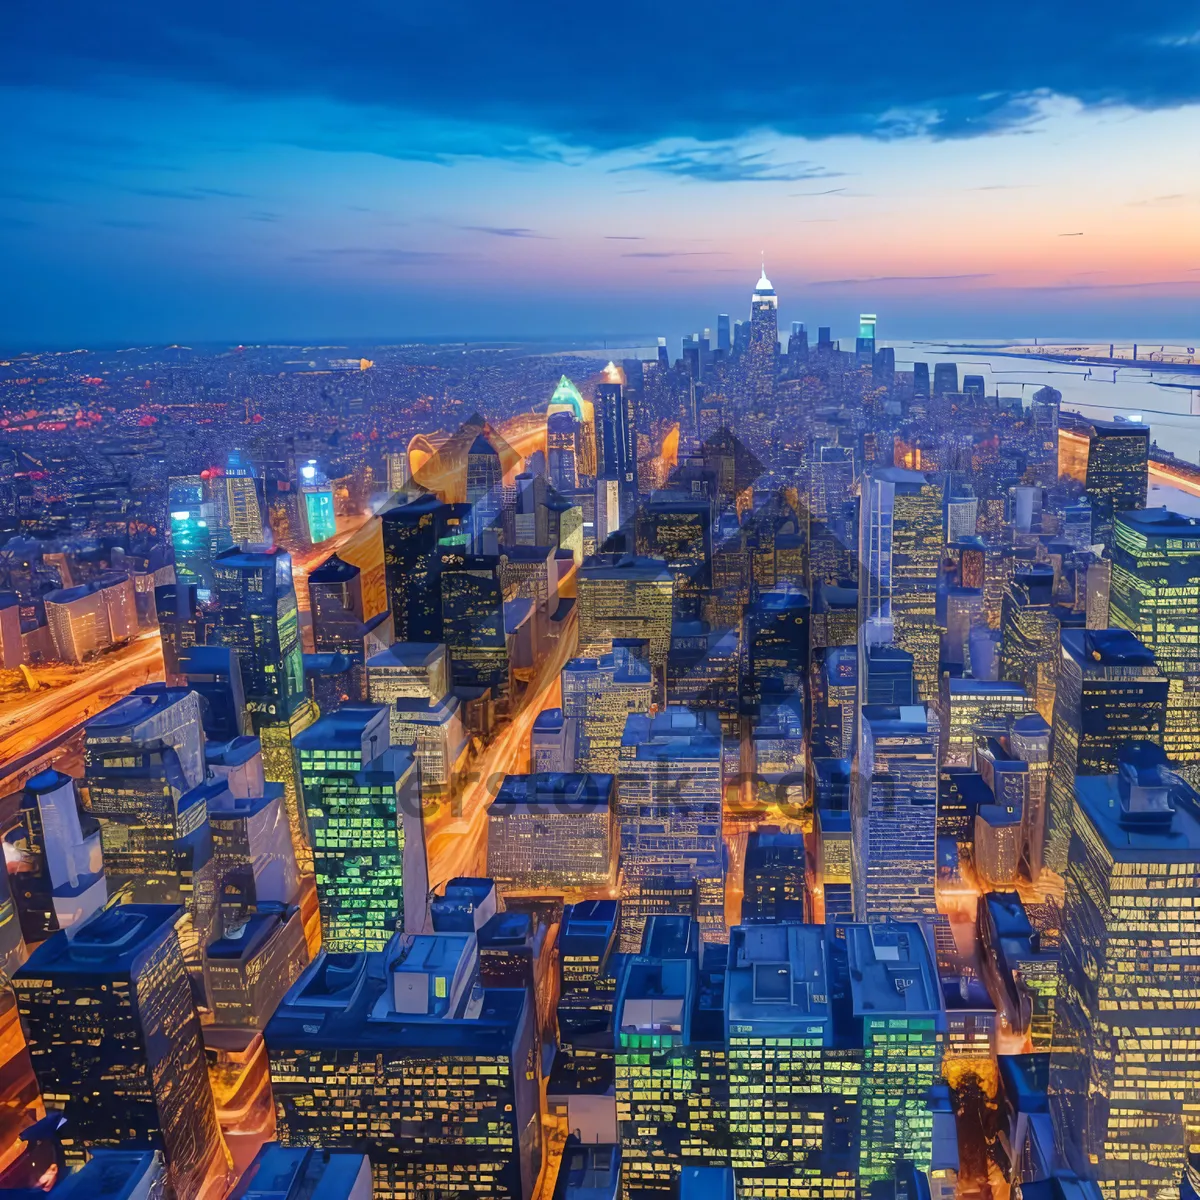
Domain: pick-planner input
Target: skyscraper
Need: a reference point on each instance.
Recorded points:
(621, 596)
(362, 802)
(894, 805)
(1110, 692)
(1117, 467)
(1030, 627)
(485, 478)
(413, 1063)
(116, 1045)
(670, 785)
(599, 694)
(759, 418)
(1126, 1065)
(616, 447)
(1155, 593)
(258, 618)
(900, 555)
(144, 775)
(416, 538)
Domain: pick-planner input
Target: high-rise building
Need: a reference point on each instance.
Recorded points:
(723, 342)
(258, 618)
(616, 448)
(900, 554)
(599, 694)
(287, 1173)
(1126, 1064)
(115, 1043)
(777, 641)
(473, 623)
(144, 777)
(485, 479)
(864, 345)
(1155, 593)
(670, 784)
(58, 880)
(1030, 627)
(417, 538)
(552, 742)
(887, 974)
(553, 831)
(761, 366)
(894, 804)
(970, 707)
(677, 528)
(1117, 472)
(91, 617)
(362, 804)
(398, 470)
(414, 680)
(774, 888)
(621, 596)
(562, 453)
(403, 1056)
(1110, 692)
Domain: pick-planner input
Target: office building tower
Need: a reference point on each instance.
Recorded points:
(670, 785)
(1125, 1065)
(889, 677)
(889, 979)
(723, 342)
(416, 537)
(473, 624)
(834, 620)
(1110, 692)
(362, 804)
(831, 827)
(832, 476)
(414, 680)
(115, 1043)
(56, 869)
(900, 555)
(144, 776)
(598, 694)
(300, 1173)
(790, 1092)
(921, 380)
(774, 888)
(553, 831)
(243, 503)
(945, 378)
(449, 1103)
(339, 622)
(761, 364)
(1117, 472)
(552, 742)
(485, 479)
(589, 1170)
(864, 345)
(252, 844)
(624, 597)
(961, 515)
(703, 668)
(616, 446)
(1021, 968)
(894, 804)
(777, 641)
(835, 701)
(1029, 740)
(973, 385)
(258, 618)
(1155, 593)
(970, 707)
(189, 529)
(92, 617)
(316, 503)
(252, 965)
(677, 528)
(562, 442)
(1029, 635)
(215, 674)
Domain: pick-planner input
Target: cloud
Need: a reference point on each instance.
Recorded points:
(1000, 187)
(269, 217)
(826, 192)
(505, 231)
(726, 164)
(874, 279)
(672, 253)
(123, 223)
(835, 73)
(393, 256)
(623, 237)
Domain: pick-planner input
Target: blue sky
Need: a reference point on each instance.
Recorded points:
(243, 172)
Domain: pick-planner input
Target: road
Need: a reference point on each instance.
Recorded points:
(456, 837)
(42, 718)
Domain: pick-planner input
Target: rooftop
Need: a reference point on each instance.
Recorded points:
(555, 788)
(891, 970)
(778, 979)
(107, 945)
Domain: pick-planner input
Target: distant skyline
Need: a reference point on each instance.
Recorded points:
(296, 172)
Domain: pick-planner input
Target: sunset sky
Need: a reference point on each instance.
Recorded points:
(278, 171)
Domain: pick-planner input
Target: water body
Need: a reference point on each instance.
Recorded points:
(1166, 399)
